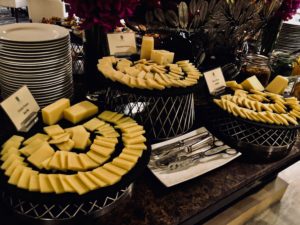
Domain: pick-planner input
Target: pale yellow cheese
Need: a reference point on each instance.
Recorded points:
(137, 146)
(74, 162)
(54, 130)
(66, 146)
(87, 162)
(133, 129)
(106, 176)
(63, 138)
(134, 134)
(63, 156)
(126, 125)
(46, 163)
(129, 157)
(125, 164)
(278, 85)
(75, 182)
(162, 57)
(93, 124)
(9, 152)
(107, 115)
(13, 141)
(95, 179)
(43, 153)
(133, 152)
(65, 184)
(24, 179)
(80, 138)
(102, 150)
(40, 136)
(34, 145)
(15, 176)
(80, 111)
(125, 120)
(115, 169)
(135, 140)
(55, 162)
(56, 183)
(104, 143)
(54, 112)
(34, 182)
(10, 169)
(111, 140)
(44, 184)
(96, 157)
(252, 83)
(10, 160)
(87, 181)
(147, 47)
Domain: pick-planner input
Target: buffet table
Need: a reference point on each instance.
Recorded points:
(192, 202)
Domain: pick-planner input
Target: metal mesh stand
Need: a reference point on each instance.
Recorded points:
(55, 213)
(77, 54)
(163, 117)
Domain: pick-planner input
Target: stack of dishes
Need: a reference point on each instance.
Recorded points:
(39, 56)
(289, 37)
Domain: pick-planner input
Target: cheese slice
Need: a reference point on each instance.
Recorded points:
(252, 83)
(141, 146)
(93, 124)
(162, 57)
(104, 151)
(24, 179)
(10, 160)
(10, 169)
(96, 157)
(9, 152)
(107, 115)
(147, 47)
(106, 176)
(34, 182)
(87, 181)
(104, 143)
(122, 163)
(66, 146)
(138, 153)
(53, 130)
(115, 169)
(63, 138)
(46, 163)
(87, 162)
(65, 184)
(54, 112)
(126, 125)
(95, 179)
(63, 156)
(135, 140)
(80, 139)
(125, 120)
(32, 147)
(111, 140)
(40, 136)
(75, 182)
(56, 183)
(13, 141)
(129, 157)
(15, 176)
(55, 162)
(44, 184)
(44, 152)
(278, 85)
(80, 111)
(133, 129)
(74, 162)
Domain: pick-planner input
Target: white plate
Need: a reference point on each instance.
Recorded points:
(32, 32)
(29, 45)
(35, 54)
(41, 50)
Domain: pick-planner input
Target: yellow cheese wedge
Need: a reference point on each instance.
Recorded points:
(104, 143)
(93, 124)
(80, 139)
(87, 162)
(135, 140)
(66, 146)
(44, 152)
(55, 162)
(54, 112)
(104, 151)
(34, 184)
(75, 182)
(106, 176)
(147, 47)
(65, 184)
(24, 179)
(56, 183)
(137, 146)
(87, 181)
(278, 85)
(125, 164)
(95, 179)
(96, 157)
(15, 176)
(80, 111)
(129, 157)
(43, 137)
(138, 153)
(110, 140)
(32, 147)
(64, 138)
(74, 162)
(44, 183)
(114, 169)
(53, 130)
(252, 83)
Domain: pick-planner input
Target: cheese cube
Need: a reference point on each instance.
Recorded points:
(75, 182)
(95, 179)
(34, 182)
(106, 176)
(162, 57)
(87, 181)
(65, 184)
(115, 169)
(44, 152)
(32, 147)
(54, 130)
(80, 111)
(96, 157)
(56, 183)
(87, 162)
(44, 184)
(74, 162)
(53, 113)
(252, 83)
(93, 124)
(102, 150)
(66, 146)
(40, 136)
(80, 138)
(278, 85)
(147, 47)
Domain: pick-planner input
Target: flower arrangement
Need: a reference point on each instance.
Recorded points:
(288, 9)
(106, 13)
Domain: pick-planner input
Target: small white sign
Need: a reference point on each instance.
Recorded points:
(215, 81)
(21, 108)
(121, 43)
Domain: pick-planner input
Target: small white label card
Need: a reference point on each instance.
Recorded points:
(21, 108)
(215, 81)
(121, 43)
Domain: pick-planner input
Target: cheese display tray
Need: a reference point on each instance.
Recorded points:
(102, 192)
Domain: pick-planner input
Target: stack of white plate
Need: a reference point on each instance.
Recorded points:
(289, 37)
(39, 56)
